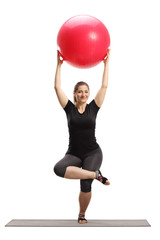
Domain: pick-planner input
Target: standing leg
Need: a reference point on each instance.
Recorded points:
(92, 163)
(84, 199)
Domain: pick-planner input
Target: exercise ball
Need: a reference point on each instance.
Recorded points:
(83, 41)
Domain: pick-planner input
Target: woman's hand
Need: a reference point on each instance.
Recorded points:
(59, 58)
(106, 59)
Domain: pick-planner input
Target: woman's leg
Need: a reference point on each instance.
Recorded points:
(70, 167)
(84, 199)
(91, 162)
(78, 173)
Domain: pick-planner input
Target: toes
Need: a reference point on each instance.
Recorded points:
(82, 221)
(107, 183)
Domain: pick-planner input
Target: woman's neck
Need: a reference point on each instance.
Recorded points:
(81, 106)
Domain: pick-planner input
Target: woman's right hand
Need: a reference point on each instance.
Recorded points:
(59, 58)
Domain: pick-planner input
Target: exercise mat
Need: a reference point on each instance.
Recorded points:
(74, 223)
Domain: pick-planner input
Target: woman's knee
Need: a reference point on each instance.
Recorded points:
(86, 185)
(59, 170)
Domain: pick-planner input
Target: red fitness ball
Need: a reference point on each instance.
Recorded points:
(83, 41)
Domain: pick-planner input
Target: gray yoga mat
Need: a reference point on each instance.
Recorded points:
(74, 223)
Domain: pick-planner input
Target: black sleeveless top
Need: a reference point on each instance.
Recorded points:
(81, 129)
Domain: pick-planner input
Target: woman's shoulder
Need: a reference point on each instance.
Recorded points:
(94, 106)
(93, 103)
(68, 106)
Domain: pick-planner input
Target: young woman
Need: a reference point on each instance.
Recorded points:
(84, 156)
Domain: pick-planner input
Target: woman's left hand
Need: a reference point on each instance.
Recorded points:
(106, 59)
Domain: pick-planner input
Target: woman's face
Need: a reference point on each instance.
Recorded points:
(82, 94)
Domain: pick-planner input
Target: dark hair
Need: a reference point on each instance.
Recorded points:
(76, 88)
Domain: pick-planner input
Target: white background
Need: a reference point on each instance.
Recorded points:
(33, 126)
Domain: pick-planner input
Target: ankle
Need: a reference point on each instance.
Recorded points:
(82, 213)
(97, 174)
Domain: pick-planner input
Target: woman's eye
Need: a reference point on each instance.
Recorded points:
(81, 91)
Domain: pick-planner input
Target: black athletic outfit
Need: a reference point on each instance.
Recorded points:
(83, 150)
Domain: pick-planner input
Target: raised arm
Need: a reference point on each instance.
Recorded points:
(99, 98)
(60, 94)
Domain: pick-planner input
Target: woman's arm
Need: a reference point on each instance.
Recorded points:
(60, 94)
(102, 91)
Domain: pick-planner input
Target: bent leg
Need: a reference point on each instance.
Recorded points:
(68, 160)
(78, 173)
(70, 167)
